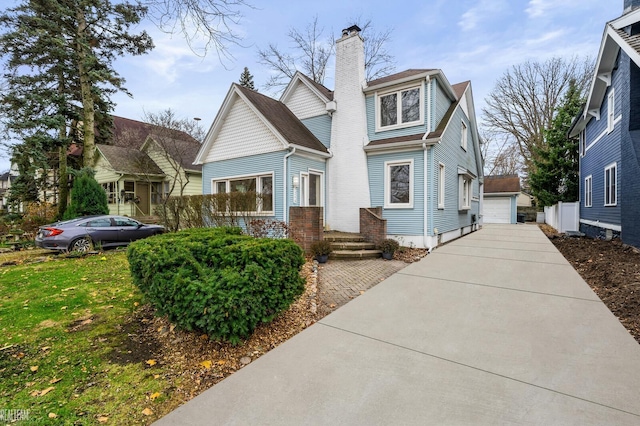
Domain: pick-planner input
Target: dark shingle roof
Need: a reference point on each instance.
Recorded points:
(129, 160)
(501, 183)
(398, 76)
(326, 92)
(181, 146)
(285, 122)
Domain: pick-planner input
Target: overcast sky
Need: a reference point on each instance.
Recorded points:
(475, 40)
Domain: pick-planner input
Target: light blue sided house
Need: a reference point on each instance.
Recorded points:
(407, 144)
(609, 132)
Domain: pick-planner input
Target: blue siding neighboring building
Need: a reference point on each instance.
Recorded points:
(611, 138)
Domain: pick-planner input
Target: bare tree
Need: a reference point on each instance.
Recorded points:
(174, 142)
(210, 20)
(524, 100)
(310, 54)
(501, 155)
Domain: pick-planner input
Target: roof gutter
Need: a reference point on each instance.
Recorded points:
(285, 180)
(396, 145)
(312, 151)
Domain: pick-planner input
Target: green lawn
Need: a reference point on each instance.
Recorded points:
(62, 340)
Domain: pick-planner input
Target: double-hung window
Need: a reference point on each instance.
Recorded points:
(465, 188)
(398, 184)
(611, 107)
(400, 108)
(463, 136)
(258, 190)
(588, 191)
(441, 175)
(610, 184)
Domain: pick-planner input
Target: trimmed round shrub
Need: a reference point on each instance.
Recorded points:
(217, 280)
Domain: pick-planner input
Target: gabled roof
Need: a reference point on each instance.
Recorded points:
(502, 184)
(129, 160)
(402, 75)
(182, 151)
(614, 38)
(325, 94)
(133, 133)
(412, 75)
(285, 125)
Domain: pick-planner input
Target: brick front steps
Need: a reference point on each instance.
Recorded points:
(348, 246)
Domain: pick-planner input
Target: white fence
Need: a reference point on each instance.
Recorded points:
(563, 216)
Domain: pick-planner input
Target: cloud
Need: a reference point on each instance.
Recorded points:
(539, 8)
(485, 10)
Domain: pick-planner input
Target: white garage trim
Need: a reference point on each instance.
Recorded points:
(497, 210)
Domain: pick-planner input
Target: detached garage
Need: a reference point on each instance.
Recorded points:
(500, 199)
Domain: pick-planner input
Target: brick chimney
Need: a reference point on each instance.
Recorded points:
(347, 175)
(631, 5)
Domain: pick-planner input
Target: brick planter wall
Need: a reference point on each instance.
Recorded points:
(372, 226)
(306, 225)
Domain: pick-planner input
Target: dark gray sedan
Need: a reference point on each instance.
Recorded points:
(83, 233)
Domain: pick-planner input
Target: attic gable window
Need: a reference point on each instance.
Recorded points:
(400, 108)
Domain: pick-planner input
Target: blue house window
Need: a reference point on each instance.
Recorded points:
(261, 186)
(610, 177)
(588, 191)
(398, 185)
(400, 108)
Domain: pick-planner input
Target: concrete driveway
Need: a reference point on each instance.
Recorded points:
(493, 328)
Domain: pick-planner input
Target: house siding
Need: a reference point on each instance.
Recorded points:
(250, 165)
(406, 221)
(192, 180)
(304, 103)
(320, 126)
(605, 151)
(242, 134)
(450, 153)
(630, 153)
(442, 102)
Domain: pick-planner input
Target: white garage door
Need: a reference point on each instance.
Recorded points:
(497, 210)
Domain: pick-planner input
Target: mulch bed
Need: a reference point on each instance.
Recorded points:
(611, 269)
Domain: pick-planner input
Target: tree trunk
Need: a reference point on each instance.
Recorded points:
(88, 108)
(63, 182)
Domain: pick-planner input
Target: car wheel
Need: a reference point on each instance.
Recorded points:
(81, 245)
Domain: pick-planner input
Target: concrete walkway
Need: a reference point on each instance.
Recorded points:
(493, 328)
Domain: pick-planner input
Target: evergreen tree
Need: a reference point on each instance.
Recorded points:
(87, 196)
(556, 175)
(246, 79)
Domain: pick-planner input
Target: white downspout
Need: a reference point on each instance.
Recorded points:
(285, 179)
(425, 196)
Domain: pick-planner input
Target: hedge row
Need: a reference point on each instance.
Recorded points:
(217, 280)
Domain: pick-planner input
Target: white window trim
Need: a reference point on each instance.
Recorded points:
(399, 124)
(612, 166)
(582, 142)
(611, 110)
(258, 177)
(588, 191)
(387, 186)
(461, 188)
(441, 185)
(463, 136)
(305, 191)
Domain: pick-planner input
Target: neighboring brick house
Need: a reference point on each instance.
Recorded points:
(501, 194)
(609, 132)
(405, 145)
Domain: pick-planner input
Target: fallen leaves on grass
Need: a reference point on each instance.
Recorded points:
(42, 392)
(147, 411)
